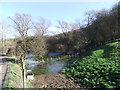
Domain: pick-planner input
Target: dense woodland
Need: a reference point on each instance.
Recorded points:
(102, 26)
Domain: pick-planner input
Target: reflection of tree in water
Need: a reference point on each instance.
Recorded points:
(43, 68)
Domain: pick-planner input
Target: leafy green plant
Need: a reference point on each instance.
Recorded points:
(101, 68)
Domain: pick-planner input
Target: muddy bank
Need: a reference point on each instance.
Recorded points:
(54, 81)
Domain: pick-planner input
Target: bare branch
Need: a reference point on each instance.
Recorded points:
(41, 26)
(22, 23)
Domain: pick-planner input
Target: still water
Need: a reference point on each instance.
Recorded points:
(40, 67)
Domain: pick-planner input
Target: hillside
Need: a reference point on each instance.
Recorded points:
(99, 67)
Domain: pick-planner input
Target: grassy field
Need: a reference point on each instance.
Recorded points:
(98, 68)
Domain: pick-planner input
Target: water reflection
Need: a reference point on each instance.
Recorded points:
(31, 63)
(40, 67)
(54, 67)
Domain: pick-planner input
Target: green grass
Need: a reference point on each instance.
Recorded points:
(98, 68)
(13, 77)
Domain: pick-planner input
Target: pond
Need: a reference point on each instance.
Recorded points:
(41, 67)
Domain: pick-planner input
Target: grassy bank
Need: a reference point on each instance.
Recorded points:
(13, 77)
(98, 68)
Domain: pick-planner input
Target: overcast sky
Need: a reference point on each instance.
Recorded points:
(53, 11)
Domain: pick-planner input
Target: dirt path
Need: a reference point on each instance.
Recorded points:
(3, 69)
(54, 81)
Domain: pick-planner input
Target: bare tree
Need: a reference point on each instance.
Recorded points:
(67, 30)
(22, 24)
(64, 26)
(78, 23)
(41, 26)
(3, 33)
(90, 17)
